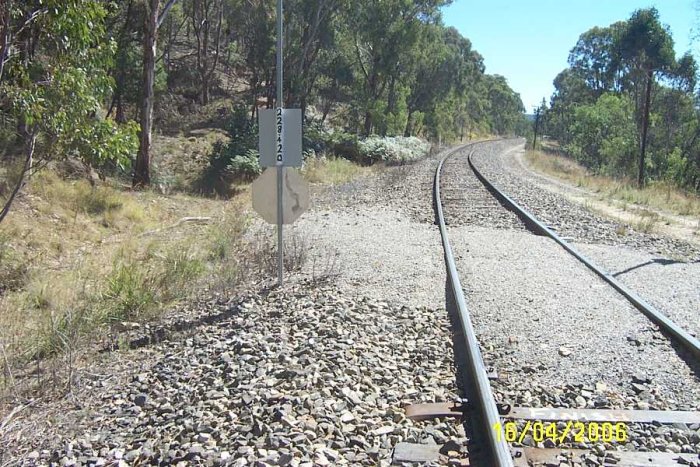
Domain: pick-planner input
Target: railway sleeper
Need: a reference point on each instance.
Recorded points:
(556, 456)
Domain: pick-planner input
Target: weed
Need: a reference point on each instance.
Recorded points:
(331, 170)
(95, 200)
(325, 269)
(647, 221)
(180, 268)
(129, 292)
(264, 253)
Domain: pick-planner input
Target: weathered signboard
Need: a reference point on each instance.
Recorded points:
(295, 195)
(280, 137)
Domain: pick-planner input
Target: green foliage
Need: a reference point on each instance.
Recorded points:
(245, 166)
(129, 293)
(597, 110)
(133, 291)
(236, 160)
(59, 95)
(603, 135)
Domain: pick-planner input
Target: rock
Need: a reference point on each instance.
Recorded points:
(384, 430)
(564, 352)
(411, 452)
(640, 378)
(141, 400)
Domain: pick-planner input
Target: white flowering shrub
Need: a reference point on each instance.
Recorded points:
(394, 149)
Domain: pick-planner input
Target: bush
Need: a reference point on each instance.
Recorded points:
(235, 161)
(396, 149)
(321, 139)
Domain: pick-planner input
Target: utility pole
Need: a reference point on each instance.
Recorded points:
(537, 124)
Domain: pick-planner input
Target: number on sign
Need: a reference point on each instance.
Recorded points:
(279, 134)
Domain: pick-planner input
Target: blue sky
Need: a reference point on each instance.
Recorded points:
(528, 41)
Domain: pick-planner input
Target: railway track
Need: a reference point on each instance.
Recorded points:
(489, 207)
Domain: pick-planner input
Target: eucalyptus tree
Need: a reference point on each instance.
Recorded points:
(647, 47)
(206, 19)
(54, 82)
(252, 28)
(596, 58)
(505, 105)
(382, 35)
(309, 29)
(446, 69)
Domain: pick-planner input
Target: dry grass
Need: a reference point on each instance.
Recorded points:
(657, 195)
(75, 260)
(333, 170)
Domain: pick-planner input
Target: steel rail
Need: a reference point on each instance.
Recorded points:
(498, 449)
(683, 337)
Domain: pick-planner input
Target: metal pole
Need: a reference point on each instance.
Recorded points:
(280, 169)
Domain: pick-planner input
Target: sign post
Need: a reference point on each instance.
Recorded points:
(280, 194)
(280, 128)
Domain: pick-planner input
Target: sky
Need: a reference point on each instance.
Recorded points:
(528, 41)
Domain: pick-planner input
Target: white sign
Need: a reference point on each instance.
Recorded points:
(279, 137)
(295, 195)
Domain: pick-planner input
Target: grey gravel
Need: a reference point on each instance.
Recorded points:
(671, 285)
(318, 374)
(569, 219)
(292, 376)
(557, 335)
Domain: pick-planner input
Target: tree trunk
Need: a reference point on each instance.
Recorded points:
(4, 35)
(29, 155)
(204, 97)
(120, 115)
(407, 130)
(645, 128)
(142, 175)
(368, 123)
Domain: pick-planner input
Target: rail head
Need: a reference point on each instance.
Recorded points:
(498, 448)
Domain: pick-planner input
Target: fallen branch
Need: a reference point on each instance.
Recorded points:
(196, 220)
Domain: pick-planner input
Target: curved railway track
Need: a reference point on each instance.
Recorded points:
(490, 205)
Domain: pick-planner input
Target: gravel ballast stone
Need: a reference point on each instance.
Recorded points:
(289, 378)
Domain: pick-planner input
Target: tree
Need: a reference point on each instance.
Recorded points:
(595, 58)
(152, 20)
(56, 83)
(308, 31)
(539, 113)
(207, 18)
(505, 106)
(382, 34)
(648, 47)
(603, 134)
(142, 170)
(253, 27)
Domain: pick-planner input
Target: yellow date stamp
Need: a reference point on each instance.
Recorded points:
(578, 432)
